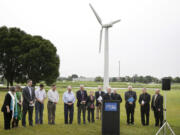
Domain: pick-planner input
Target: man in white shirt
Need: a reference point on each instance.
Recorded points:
(68, 99)
(40, 95)
(53, 98)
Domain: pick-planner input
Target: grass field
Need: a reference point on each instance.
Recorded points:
(173, 116)
(61, 84)
(64, 84)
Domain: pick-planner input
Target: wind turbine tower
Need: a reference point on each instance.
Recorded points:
(106, 46)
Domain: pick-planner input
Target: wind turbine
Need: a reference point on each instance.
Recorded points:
(106, 46)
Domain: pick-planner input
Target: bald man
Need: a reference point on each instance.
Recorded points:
(130, 98)
(144, 101)
(68, 99)
(116, 96)
(108, 95)
(157, 107)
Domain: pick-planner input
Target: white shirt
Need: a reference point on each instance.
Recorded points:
(69, 97)
(155, 98)
(40, 94)
(30, 91)
(53, 96)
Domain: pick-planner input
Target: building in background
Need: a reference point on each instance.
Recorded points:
(83, 79)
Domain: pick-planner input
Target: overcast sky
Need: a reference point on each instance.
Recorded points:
(146, 41)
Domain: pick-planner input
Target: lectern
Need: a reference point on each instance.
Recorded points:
(110, 118)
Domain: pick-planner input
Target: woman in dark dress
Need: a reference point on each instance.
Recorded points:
(8, 107)
(90, 107)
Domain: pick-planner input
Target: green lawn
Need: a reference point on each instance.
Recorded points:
(173, 116)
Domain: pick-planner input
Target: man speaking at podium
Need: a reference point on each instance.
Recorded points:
(111, 113)
(130, 98)
(116, 96)
(108, 96)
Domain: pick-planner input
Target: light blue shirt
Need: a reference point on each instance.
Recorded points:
(68, 97)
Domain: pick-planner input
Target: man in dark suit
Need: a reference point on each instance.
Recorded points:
(108, 95)
(116, 96)
(99, 95)
(81, 96)
(144, 101)
(28, 103)
(130, 98)
(157, 107)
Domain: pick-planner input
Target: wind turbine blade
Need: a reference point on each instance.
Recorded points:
(100, 40)
(112, 23)
(95, 13)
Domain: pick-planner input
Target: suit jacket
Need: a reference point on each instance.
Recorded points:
(158, 104)
(90, 102)
(79, 97)
(26, 96)
(7, 102)
(117, 97)
(108, 97)
(146, 98)
(128, 95)
(97, 96)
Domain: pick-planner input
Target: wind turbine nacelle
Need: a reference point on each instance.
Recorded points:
(107, 25)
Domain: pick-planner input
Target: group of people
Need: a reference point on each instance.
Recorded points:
(92, 102)
(144, 101)
(130, 104)
(17, 104)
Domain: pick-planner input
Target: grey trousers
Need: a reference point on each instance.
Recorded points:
(51, 112)
(81, 108)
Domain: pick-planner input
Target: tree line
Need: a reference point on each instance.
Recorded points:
(24, 56)
(135, 78)
(140, 79)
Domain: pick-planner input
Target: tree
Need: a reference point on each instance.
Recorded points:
(27, 57)
(176, 80)
(98, 79)
(156, 80)
(123, 79)
(135, 78)
(140, 79)
(128, 79)
(74, 76)
(114, 79)
(170, 78)
(10, 44)
(69, 78)
(148, 79)
(40, 61)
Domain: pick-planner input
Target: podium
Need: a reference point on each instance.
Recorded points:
(111, 118)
